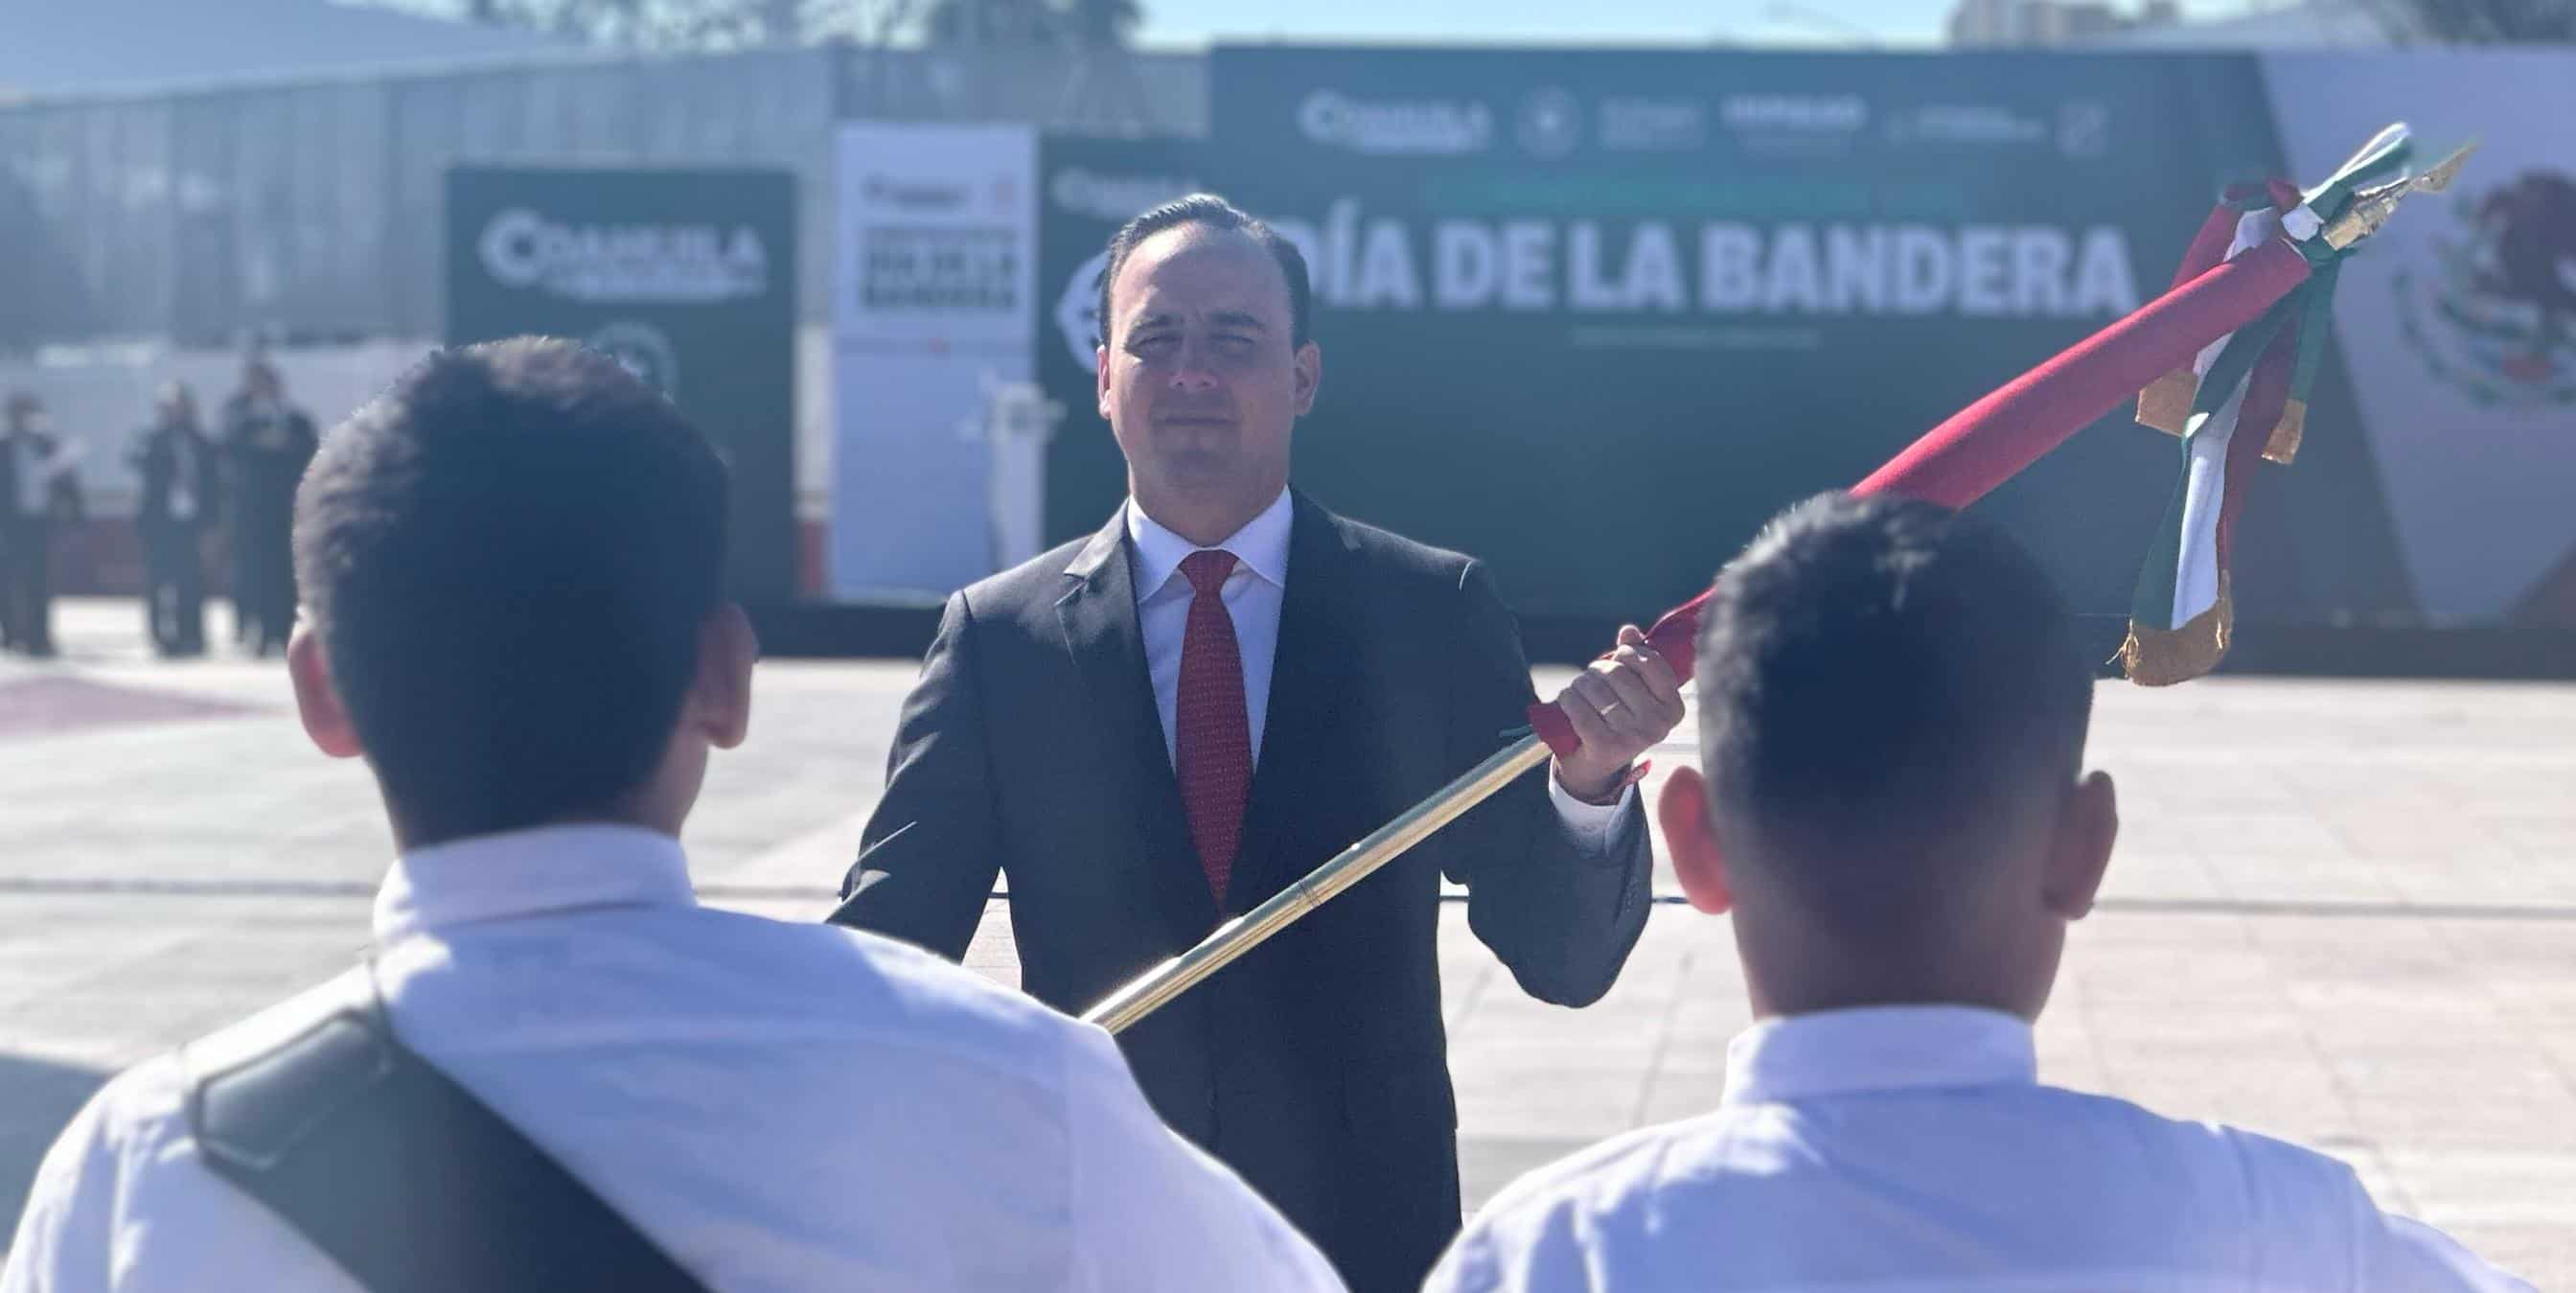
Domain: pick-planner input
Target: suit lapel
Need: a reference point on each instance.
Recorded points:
(1313, 689)
(1098, 613)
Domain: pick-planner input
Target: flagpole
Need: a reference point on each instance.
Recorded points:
(1240, 935)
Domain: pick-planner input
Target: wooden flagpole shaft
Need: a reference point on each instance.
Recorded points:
(1143, 994)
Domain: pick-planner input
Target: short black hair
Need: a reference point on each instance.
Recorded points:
(508, 557)
(1211, 211)
(1882, 683)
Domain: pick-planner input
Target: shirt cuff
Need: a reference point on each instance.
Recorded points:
(1593, 822)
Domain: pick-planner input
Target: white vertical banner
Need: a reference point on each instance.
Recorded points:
(2459, 319)
(934, 322)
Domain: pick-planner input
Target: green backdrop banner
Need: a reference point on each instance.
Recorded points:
(686, 276)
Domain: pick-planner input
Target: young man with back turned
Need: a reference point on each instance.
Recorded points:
(1893, 808)
(513, 566)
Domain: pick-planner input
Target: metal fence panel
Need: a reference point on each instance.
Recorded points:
(312, 210)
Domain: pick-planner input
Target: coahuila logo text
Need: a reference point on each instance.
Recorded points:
(691, 263)
(1115, 197)
(1412, 126)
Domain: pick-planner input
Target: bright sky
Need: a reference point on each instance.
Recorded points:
(1661, 22)
(1845, 23)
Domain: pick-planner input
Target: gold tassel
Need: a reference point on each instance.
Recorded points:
(2166, 403)
(2283, 447)
(2163, 657)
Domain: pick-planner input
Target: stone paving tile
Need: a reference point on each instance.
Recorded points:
(2164, 876)
(46, 704)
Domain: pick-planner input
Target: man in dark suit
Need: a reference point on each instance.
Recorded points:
(1167, 723)
(180, 499)
(268, 443)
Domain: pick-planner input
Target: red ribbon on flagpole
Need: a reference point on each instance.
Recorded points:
(1992, 440)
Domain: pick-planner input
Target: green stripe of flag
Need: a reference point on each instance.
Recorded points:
(2152, 605)
(2316, 317)
(2235, 361)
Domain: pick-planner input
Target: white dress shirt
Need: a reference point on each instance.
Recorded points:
(779, 1106)
(1913, 1150)
(1253, 595)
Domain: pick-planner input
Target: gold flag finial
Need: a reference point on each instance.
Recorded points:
(2371, 207)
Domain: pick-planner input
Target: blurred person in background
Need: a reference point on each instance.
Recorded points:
(266, 444)
(37, 489)
(181, 488)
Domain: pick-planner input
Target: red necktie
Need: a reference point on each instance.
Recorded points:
(1212, 743)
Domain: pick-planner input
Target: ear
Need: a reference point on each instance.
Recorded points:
(2081, 851)
(317, 702)
(720, 694)
(1309, 377)
(1100, 365)
(1691, 834)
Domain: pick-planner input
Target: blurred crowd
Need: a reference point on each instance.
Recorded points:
(220, 495)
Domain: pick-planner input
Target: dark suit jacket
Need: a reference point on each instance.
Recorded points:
(264, 476)
(158, 460)
(1316, 1066)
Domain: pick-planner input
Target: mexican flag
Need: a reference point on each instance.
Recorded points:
(2231, 407)
(2223, 360)
(2242, 399)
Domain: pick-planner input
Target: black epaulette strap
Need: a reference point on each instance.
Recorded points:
(397, 1173)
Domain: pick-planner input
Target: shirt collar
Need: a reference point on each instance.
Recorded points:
(1878, 1048)
(523, 873)
(1261, 546)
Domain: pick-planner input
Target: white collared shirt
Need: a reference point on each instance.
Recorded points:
(1253, 595)
(1913, 1150)
(778, 1106)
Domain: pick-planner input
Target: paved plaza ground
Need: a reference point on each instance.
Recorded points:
(2342, 912)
